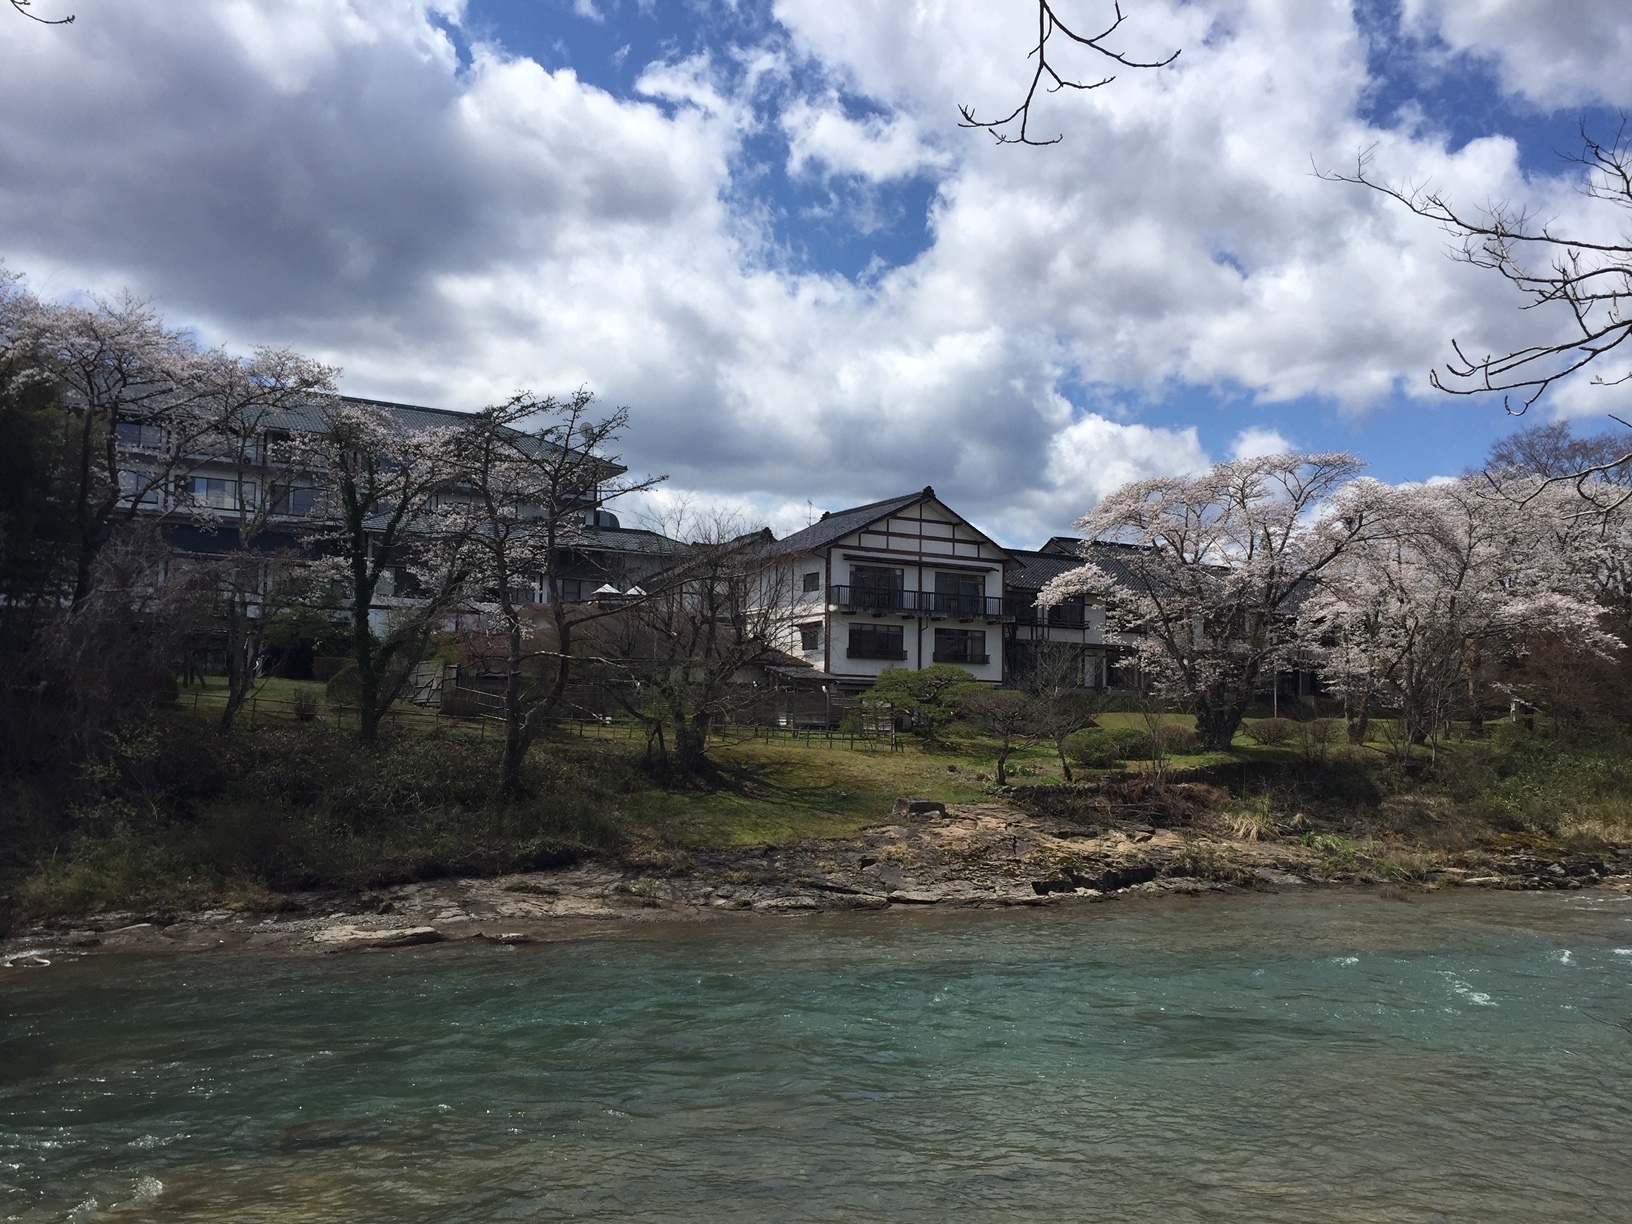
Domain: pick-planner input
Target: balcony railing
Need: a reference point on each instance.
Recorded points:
(962, 657)
(1060, 616)
(885, 600)
(875, 652)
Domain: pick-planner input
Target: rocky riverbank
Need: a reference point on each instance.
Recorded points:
(967, 855)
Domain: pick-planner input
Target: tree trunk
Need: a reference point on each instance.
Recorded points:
(1216, 725)
(368, 676)
(516, 742)
(1359, 724)
(1065, 765)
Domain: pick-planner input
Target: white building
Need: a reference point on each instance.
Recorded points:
(899, 583)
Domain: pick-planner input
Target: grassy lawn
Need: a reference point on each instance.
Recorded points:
(782, 792)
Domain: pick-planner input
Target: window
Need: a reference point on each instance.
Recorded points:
(572, 590)
(296, 500)
(876, 588)
(962, 646)
(133, 483)
(220, 493)
(810, 636)
(140, 435)
(960, 594)
(813, 581)
(877, 642)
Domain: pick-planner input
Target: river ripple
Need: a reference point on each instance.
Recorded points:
(1297, 1058)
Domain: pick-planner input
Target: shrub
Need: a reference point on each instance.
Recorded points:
(344, 689)
(304, 706)
(327, 667)
(1106, 747)
(1178, 740)
(1268, 731)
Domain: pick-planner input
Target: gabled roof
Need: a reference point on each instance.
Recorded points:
(837, 524)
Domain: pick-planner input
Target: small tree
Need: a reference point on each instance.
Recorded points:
(1217, 566)
(684, 652)
(248, 436)
(533, 469)
(380, 487)
(1015, 720)
(1063, 706)
(930, 695)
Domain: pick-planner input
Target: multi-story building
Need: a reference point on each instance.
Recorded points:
(905, 582)
(1075, 627)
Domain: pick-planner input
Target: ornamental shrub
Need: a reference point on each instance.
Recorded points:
(1268, 731)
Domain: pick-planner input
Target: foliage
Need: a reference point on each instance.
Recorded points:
(929, 696)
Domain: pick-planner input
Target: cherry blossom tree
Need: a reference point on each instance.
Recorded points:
(132, 392)
(379, 490)
(1418, 618)
(1217, 565)
(248, 436)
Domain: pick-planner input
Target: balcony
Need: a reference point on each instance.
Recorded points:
(961, 658)
(1061, 616)
(886, 601)
(875, 652)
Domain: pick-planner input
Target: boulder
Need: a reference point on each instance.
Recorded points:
(909, 806)
(340, 938)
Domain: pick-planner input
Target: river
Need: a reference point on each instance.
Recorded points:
(1334, 1056)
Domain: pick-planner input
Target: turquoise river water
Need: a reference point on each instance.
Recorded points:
(1298, 1058)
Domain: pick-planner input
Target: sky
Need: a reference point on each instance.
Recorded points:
(758, 225)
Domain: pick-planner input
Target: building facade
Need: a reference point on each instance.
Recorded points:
(905, 582)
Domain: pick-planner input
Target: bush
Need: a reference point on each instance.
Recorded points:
(305, 706)
(345, 688)
(327, 667)
(1268, 731)
(1107, 747)
(1178, 740)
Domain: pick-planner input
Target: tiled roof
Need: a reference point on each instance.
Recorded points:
(1062, 554)
(840, 523)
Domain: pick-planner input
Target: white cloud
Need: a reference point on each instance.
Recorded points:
(876, 148)
(1258, 440)
(331, 176)
(1556, 53)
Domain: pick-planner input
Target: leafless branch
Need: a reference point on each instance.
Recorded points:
(22, 7)
(1049, 24)
(1590, 278)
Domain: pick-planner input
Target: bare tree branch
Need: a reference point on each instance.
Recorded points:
(1590, 278)
(22, 7)
(1049, 24)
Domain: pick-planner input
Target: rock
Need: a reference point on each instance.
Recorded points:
(911, 805)
(1274, 875)
(340, 938)
(915, 897)
(506, 937)
(1061, 884)
(786, 905)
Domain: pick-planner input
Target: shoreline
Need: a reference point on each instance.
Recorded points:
(971, 856)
